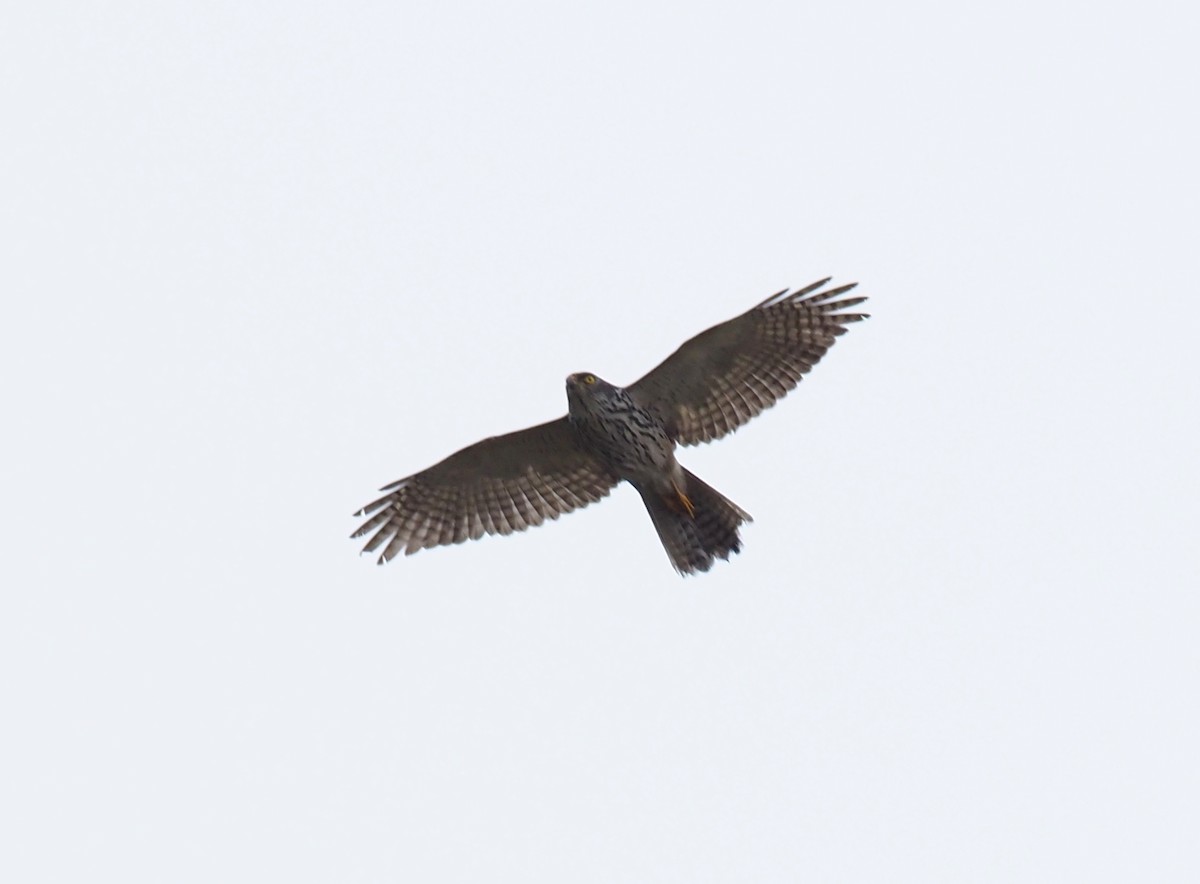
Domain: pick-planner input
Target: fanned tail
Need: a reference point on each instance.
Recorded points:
(697, 531)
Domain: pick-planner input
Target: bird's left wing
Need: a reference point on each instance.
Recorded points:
(726, 375)
(500, 485)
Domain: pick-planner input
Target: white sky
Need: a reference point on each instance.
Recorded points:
(260, 259)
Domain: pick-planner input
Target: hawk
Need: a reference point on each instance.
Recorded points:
(707, 388)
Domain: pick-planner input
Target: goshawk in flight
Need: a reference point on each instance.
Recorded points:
(710, 386)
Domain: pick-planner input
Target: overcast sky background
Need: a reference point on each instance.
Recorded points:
(261, 259)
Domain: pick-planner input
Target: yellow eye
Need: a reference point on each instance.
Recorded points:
(589, 379)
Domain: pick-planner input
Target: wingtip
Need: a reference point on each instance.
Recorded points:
(812, 287)
(847, 303)
(792, 295)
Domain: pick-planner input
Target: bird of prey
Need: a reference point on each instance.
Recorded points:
(710, 386)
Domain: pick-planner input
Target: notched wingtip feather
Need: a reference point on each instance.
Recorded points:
(790, 296)
(849, 302)
(826, 299)
(782, 293)
(803, 294)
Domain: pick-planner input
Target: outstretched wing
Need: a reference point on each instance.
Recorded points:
(723, 377)
(500, 485)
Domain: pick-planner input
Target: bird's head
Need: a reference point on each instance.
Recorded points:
(584, 388)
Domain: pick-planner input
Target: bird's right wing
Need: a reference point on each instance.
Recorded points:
(500, 485)
(726, 375)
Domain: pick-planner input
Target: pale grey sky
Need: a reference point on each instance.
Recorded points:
(260, 259)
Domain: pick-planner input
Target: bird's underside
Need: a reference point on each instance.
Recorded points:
(714, 383)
